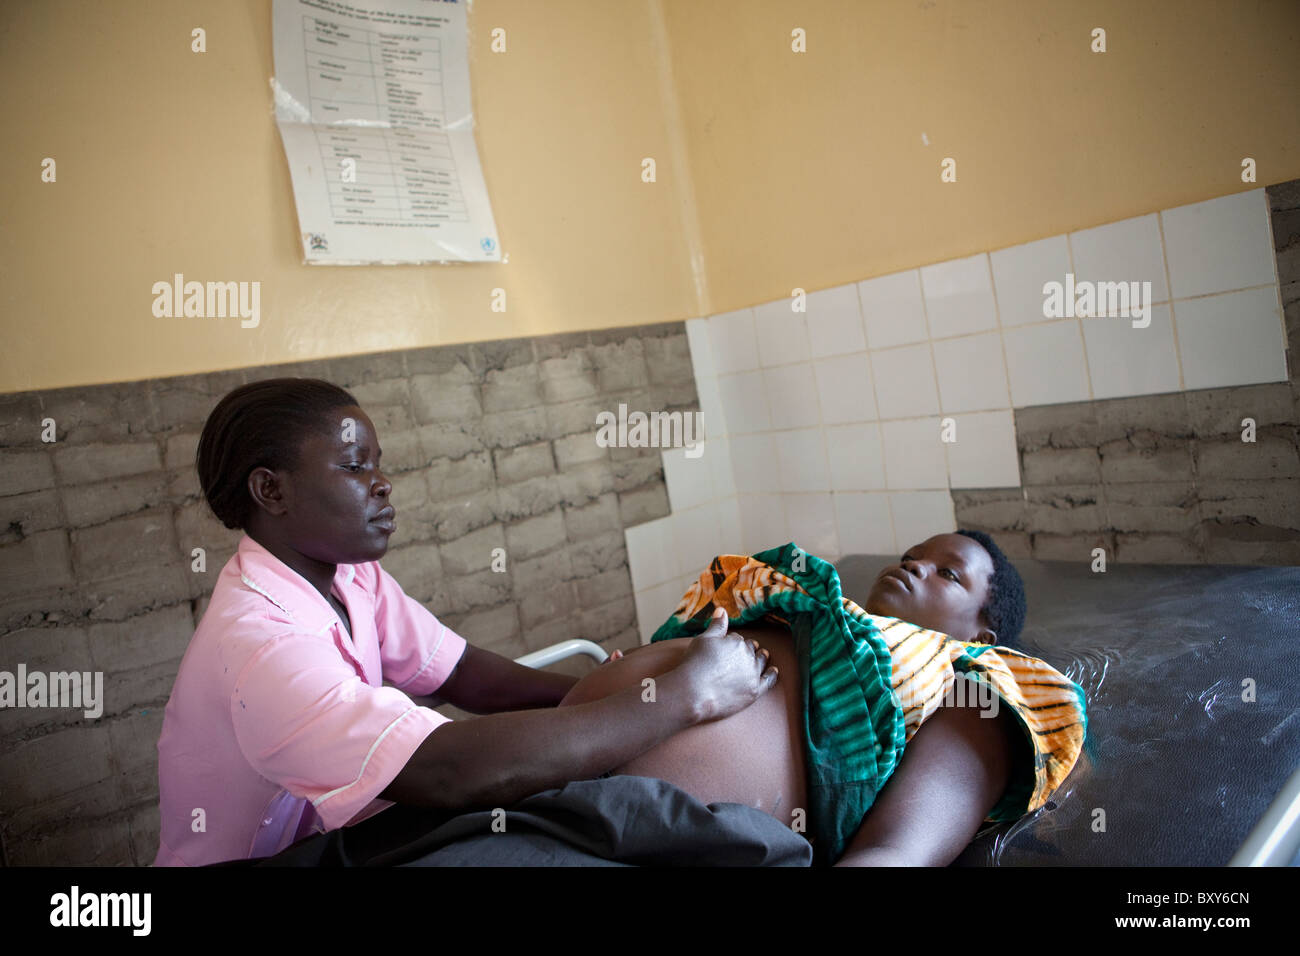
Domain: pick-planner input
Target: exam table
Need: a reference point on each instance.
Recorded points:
(1181, 767)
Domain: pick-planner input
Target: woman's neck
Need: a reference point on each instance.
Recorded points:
(318, 574)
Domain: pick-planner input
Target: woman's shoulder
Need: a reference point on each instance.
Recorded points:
(242, 614)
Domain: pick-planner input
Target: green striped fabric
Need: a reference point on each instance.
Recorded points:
(853, 720)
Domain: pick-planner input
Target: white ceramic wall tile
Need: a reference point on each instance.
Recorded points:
(763, 523)
(689, 480)
(782, 335)
(1125, 251)
(893, 311)
(844, 388)
(791, 396)
(717, 452)
(1045, 364)
(653, 605)
(651, 553)
(646, 609)
(972, 375)
(984, 454)
(959, 296)
(801, 457)
(864, 523)
(697, 337)
(855, 457)
(1019, 274)
(1231, 339)
(1220, 245)
(919, 515)
(835, 322)
(914, 454)
(811, 519)
(697, 534)
(670, 595)
(715, 421)
(753, 463)
(904, 380)
(1123, 360)
(735, 345)
(731, 538)
(744, 403)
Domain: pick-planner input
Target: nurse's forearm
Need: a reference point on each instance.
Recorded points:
(498, 760)
(487, 683)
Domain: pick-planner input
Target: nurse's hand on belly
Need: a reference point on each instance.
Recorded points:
(718, 674)
(754, 757)
(702, 658)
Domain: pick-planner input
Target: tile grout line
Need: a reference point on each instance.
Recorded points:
(1169, 289)
(938, 392)
(1006, 379)
(821, 428)
(1078, 323)
(875, 397)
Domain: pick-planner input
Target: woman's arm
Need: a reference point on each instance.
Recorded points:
(500, 759)
(953, 773)
(487, 683)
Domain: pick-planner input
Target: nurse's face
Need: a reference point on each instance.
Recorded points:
(336, 498)
(940, 584)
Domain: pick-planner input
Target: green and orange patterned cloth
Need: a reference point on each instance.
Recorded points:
(868, 683)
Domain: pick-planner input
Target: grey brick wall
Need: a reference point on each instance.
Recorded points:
(488, 445)
(1163, 478)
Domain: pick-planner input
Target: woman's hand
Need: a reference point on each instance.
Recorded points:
(496, 760)
(727, 671)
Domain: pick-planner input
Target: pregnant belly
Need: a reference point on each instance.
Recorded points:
(755, 757)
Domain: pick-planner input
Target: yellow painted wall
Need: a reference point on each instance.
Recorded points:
(170, 161)
(775, 169)
(811, 170)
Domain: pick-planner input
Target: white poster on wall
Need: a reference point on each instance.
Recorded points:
(372, 100)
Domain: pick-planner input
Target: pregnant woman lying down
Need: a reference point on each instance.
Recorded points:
(872, 710)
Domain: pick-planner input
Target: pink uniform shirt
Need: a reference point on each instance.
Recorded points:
(279, 724)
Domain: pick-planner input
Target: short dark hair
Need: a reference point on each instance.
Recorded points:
(1005, 608)
(259, 425)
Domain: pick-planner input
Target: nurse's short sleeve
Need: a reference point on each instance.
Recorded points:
(418, 651)
(306, 721)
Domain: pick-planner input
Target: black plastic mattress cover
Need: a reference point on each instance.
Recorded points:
(1190, 673)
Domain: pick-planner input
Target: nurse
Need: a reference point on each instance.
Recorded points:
(279, 724)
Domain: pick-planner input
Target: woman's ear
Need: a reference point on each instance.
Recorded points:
(267, 490)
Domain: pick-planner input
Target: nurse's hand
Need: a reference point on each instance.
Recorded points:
(727, 671)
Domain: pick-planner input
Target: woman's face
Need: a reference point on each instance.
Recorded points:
(336, 498)
(940, 584)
